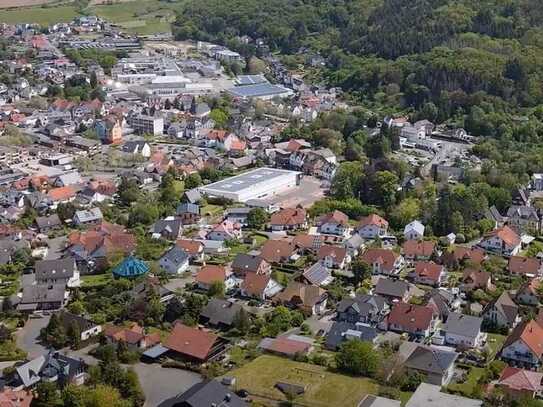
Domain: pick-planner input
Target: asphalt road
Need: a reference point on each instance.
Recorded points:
(27, 337)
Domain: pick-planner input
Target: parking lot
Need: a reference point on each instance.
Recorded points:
(306, 194)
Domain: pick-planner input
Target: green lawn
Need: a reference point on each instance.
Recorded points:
(322, 387)
(142, 17)
(10, 351)
(96, 280)
(39, 15)
(469, 386)
(495, 343)
(210, 210)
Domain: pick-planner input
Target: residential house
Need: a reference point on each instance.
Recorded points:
(309, 299)
(289, 219)
(189, 213)
(259, 286)
(85, 327)
(225, 230)
(206, 393)
(463, 256)
(50, 367)
(61, 195)
(193, 344)
(524, 346)
(139, 147)
(246, 263)
(60, 271)
(133, 335)
(175, 261)
(520, 383)
(503, 241)
(364, 308)
(392, 290)
(193, 248)
(414, 231)
(502, 312)
(278, 251)
(428, 273)
(340, 332)
(429, 395)
(372, 227)
(443, 302)
(416, 320)
(473, 279)
(463, 331)
(525, 266)
(524, 219)
(307, 243)
(170, 228)
(354, 245)
(334, 223)
(109, 130)
(210, 274)
(88, 217)
(383, 261)
(42, 297)
(289, 346)
(317, 274)
(238, 215)
(46, 224)
(528, 293)
(92, 248)
(414, 250)
(435, 365)
(334, 257)
(220, 313)
(66, 179)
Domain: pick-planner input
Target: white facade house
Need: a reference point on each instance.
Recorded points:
(255, 184)
(175, 261)
(414, 231)
(503, 241)
(464, 331)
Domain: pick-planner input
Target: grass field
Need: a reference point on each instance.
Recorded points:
(322, 387)
(23, 3)
(142, 17)
(495, 343)
(38, 15)
(96, 280)
(472, 382)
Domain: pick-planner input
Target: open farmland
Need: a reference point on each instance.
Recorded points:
(23, 3)
(38, 15)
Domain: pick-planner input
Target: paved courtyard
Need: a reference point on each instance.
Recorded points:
(27, 337)
(306, 194)
(160, 383)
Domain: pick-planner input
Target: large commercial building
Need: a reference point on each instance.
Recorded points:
(147, 124)
(260, 183)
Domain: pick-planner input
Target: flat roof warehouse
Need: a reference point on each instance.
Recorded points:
(258, 183)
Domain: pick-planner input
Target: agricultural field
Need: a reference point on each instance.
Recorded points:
(142, 17)
(23, 3)
(323, 388)
(39, 15)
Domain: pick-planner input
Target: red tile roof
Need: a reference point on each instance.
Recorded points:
(337, 252)
(211, 273)
(289, 217)
(255, 284)
(287, 346)
(530, 333)
(190, 246)
(273, 251)
(335, 217)
(191, 342)
(505, 233)
(11, 398)
(386, 257)
(428, 269)
(524, 265)
(413, 248)
(411, 317)
(520, 379)
(372, 219)
(62, 193)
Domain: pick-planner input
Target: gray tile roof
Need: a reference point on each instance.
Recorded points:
(206, 393)
(461, 324)
(55, 269)
(220, 312)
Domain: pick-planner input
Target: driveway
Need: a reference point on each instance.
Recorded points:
(27, 337)
(175, 284)
(160, 383)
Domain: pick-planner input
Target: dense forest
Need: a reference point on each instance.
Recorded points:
(477, 64)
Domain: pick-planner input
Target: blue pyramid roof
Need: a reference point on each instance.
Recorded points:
(131, 267)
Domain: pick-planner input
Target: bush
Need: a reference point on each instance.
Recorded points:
(389, 392)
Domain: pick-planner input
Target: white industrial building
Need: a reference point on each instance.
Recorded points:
(256, 184)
